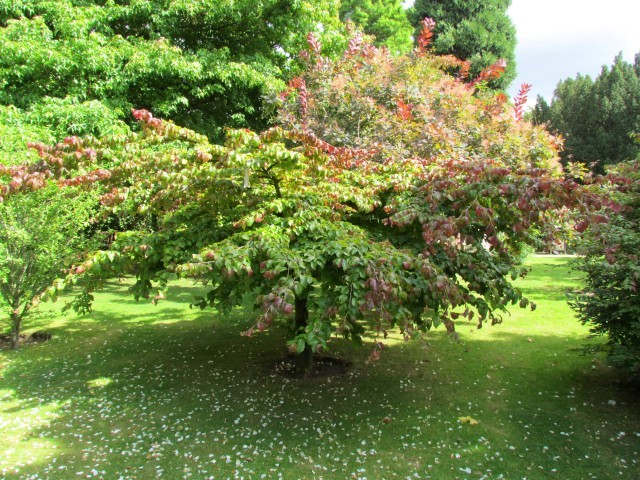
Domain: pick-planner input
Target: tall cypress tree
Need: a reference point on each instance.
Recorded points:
(476, 30)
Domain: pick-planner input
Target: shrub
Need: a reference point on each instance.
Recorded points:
(610, 302)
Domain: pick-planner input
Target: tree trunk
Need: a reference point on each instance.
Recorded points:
(304, 360)
(15, 331)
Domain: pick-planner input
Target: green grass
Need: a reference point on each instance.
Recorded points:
(137, 391)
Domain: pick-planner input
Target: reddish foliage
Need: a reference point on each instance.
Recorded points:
(520, 101)
(299, 84)
(426, 33)
(404, 110)
(465, 66)
(491, 72)
(314, 43)
(355, 44)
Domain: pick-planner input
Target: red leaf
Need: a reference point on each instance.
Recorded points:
(426, 34)
(492, 72)
(581, 226)
(520, 101)
(314, 43)
(404, 110)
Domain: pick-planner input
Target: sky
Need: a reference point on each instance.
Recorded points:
(558, 39)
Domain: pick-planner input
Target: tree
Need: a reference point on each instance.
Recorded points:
(206, 64)
(385, 19)
(610, 302)
(617, 96)
(539, 115)
(596, 118)
(476, 30)
(392, 195)
(38, 240)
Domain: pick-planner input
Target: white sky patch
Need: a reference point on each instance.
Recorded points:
(558, 39)
(551, 21)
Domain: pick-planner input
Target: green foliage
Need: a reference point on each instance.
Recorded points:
(540, 112)
(478, 30)
(38, 240)
(610, 302)
(596, 117)
(385, 19)
(69, 116)
(16, 131)
(206, 64)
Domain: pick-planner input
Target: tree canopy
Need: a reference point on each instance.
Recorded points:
(386, 19)
(391, 195)
(597, 117)
(79, 67)
(476, 30)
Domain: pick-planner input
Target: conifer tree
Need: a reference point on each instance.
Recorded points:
(476, 30)
(597, 118)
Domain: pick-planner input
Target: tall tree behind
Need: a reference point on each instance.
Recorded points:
(206, 64)
(386, 19)
(475, 30)
(596, 118)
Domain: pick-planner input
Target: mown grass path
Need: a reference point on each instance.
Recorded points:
(137, 391)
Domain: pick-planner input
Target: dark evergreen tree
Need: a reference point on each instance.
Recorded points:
(540, 114)
(598, 119)
(475, 30)
(617, 109)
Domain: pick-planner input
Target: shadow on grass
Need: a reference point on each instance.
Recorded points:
(182, 292)
(121, 389)
(135, 387)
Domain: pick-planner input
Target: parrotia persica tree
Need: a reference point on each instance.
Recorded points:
(479, 31)
(385, 19)
(390, 196)
(79, 67)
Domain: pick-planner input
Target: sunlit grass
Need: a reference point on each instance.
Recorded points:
(137, 391)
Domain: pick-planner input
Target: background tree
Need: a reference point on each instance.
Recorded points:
(393, 196)
(596, 118)
(80, 67)
(38, 240)
(476, 30)
(539, 114)
(41, 232)
(610, 302)
(386, 19)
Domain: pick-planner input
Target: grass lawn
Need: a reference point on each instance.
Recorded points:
(137, 391)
